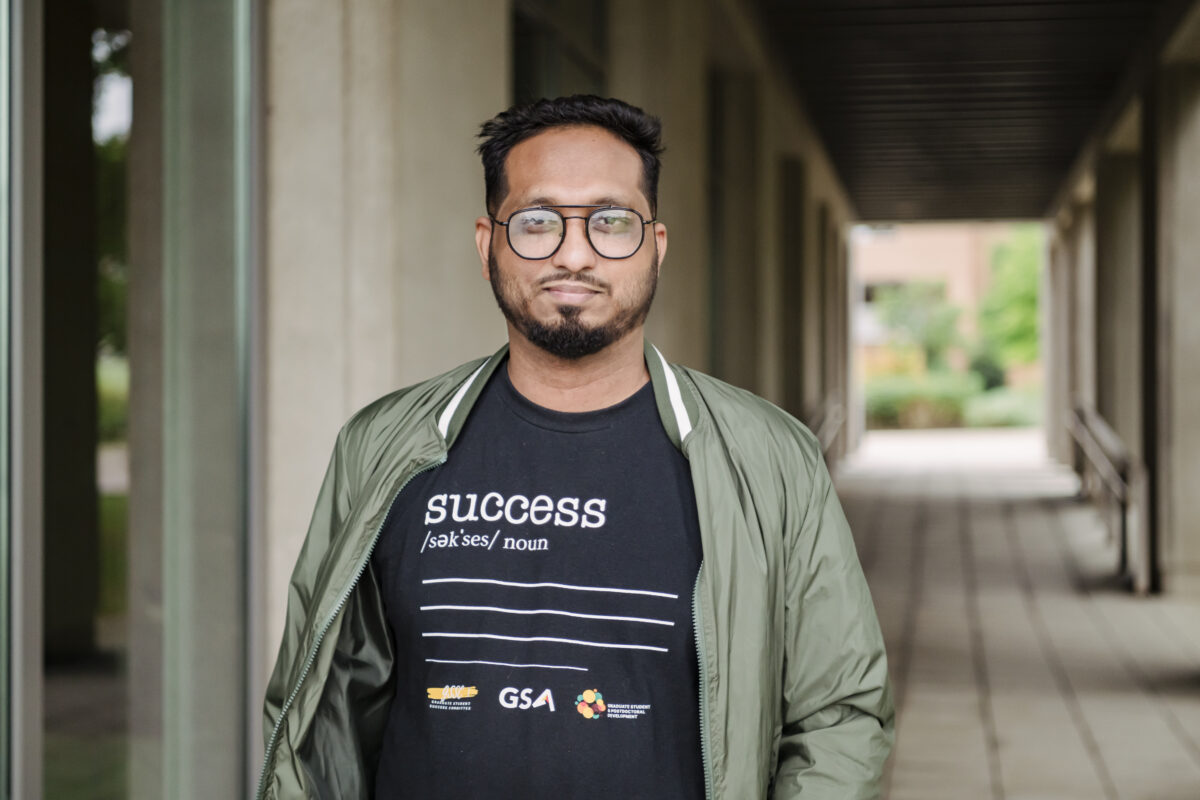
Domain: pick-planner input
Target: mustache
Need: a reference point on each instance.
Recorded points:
(585, 277)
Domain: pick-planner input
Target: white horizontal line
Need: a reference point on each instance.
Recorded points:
(548, 611)
(547, 639)
(553, 586)
(504, 664)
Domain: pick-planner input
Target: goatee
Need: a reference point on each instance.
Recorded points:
(568, 337)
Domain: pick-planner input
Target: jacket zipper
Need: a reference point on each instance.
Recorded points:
(696, 627)
(316, 646)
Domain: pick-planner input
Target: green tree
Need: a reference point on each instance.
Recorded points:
(111, 243)
(1008, 315)
(917, 313)
(110, 57)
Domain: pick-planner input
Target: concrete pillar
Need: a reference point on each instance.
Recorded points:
(458, 50)
(372, 187)
(1118, 296)
(793, 188)
(816, 311)
(1083, 357)
(72, 552)
(655, 63)
(832, 281)
(1178, 237)
(1057, 331)
(733, 195)
(842, 445)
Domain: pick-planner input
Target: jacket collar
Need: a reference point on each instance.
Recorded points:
(677, 407)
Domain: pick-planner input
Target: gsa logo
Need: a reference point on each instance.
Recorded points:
(511, 697)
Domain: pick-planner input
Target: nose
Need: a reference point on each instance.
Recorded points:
(575, 253)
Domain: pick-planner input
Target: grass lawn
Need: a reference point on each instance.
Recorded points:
(114, 516)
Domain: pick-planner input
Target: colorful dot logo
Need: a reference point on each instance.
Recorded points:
(590, 704)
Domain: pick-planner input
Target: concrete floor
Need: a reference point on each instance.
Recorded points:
(1021, 670)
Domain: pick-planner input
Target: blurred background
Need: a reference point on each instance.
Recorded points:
(957, 239)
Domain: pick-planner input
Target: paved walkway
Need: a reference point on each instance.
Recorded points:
(1021, 672)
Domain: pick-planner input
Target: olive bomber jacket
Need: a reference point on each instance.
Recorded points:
(795, 701)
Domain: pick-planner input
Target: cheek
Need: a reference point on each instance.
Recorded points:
(635, 282)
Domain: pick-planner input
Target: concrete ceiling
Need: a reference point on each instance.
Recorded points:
(932, 109)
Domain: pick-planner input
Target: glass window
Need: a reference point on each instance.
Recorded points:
(85, 393)
(145, 342)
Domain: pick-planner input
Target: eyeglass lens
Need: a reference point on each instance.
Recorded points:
(613, 232)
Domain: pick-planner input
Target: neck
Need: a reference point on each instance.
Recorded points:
(583, 384)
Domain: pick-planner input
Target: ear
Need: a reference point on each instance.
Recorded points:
(483, 243)
(660, 239)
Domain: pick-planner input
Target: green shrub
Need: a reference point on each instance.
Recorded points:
(936, 400)
(987, 366)
(1004, 408)
(112, 386)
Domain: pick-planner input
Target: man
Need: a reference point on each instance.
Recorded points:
(573, 569)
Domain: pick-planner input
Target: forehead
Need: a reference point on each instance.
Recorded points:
(577, 164)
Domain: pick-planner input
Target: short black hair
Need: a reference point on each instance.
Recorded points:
(507, 129)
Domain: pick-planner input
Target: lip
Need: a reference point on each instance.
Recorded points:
(571, 292)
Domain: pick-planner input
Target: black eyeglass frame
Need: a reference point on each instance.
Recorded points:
(587, 228)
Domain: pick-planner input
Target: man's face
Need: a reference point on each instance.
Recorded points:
(576, 302)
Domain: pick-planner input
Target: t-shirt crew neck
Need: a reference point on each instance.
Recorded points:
(539, 587)
(566, 421)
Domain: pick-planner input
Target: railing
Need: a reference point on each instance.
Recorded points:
(1118, 474)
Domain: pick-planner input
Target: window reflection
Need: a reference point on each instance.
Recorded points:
(86, 622)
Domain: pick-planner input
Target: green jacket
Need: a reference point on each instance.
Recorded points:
(794, 699)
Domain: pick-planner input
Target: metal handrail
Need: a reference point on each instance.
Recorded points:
(1103, 447)
(1110, 458)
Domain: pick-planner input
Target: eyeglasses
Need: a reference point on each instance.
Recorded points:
(537, 233)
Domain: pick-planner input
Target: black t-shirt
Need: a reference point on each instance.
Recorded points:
(539, 589)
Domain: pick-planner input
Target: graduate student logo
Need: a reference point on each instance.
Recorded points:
(512, 697)
(451, 698)
(452, 692)
(590, 704)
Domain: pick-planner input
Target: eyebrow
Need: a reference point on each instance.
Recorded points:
(599, 201)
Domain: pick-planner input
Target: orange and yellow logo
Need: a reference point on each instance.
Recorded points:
(452, 692)
(590, 704)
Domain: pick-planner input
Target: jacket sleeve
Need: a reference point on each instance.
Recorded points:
(837, 706)
(332, 507)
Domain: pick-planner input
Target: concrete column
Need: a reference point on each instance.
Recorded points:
(1118, 296)
(372, 188)
(793, 187)
(815, 311)
(655, 63)
(842, 446)
(1178, 237)
(735, 245)
(458, 50)
(305, 303)
(831, 316)
(1083, 357)
(1057, 327)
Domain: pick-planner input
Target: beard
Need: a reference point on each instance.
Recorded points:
(568, 337)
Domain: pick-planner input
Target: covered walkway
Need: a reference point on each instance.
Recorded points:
(1021, 668)
(296, 189)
